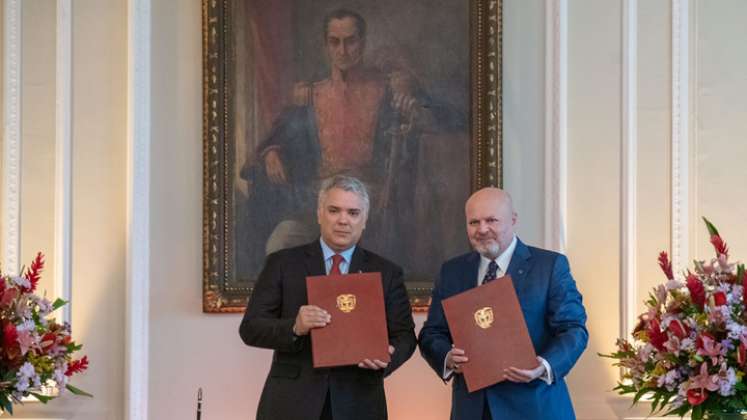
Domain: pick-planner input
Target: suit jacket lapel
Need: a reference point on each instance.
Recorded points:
(470, 273)
(519, 265)
(358, 262)
(314, 260)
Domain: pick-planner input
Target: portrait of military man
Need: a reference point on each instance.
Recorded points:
(375, 91)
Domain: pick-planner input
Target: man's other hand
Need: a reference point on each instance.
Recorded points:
(375, 364)
(524, 375)
(274, 168)
(310, 316)
(455, 358)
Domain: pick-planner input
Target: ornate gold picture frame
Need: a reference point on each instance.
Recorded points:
(436, 68)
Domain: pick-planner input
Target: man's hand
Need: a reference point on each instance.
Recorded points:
(403, 99)
(455, 358)
(310, 316)
(404, 104)
(522, 375)
(274, 168)
(375, 364)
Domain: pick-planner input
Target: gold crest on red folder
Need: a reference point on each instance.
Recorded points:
(346, 303)
(484, 317)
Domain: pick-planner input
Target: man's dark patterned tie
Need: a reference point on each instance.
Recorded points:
(491, 274)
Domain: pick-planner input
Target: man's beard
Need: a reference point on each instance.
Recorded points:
(490, 250)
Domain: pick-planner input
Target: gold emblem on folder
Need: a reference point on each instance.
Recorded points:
(346, 303)
(484, 317)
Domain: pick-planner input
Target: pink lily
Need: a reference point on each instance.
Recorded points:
(704, 380)
(707, 346)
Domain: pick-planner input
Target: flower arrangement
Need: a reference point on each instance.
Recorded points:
(35, 350)
(689, 348)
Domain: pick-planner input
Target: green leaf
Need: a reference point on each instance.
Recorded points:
(680, 411)
(7, 405)
(77, 391)
(72, 347)
(655, 402)
(664, 403)
(740, 272)
(697, 412)
(711, 229)
(59, 303)
(641, 393)
(41, 397)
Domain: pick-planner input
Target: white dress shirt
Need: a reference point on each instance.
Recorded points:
(503, 261)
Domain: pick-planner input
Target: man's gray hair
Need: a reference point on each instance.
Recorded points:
(345, 183)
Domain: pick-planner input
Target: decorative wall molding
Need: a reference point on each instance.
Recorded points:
(556, 109)
(63, 219)
(138, 203)
(680, 133)
(11, 190)
(629, 168)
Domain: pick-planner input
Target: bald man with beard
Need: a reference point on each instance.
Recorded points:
(551, 305)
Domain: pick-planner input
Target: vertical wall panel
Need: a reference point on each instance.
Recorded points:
(593, 239)
(720, 141)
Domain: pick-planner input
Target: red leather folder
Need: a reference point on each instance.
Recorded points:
(358, 328)
(487, 323)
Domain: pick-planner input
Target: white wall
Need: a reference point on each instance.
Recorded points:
(98, 190)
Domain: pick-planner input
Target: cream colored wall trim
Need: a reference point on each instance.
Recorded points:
(556, 108)
(629, 153)
(138, 203)
(63, 219)
(11, 189)
(680, 132)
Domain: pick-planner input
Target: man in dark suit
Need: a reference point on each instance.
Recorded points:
(278, 317)
(550, 303)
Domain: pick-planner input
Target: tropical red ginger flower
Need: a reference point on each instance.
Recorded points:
(666, 265)
(719, 298)
(10, 335)
(719, 245)
(33, 273)
(697, 291)
(77, 366)
(678, 329)
(656, 335)
(741, 354)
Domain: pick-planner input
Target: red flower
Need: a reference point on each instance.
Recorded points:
(699, 340)
(719, 298)
(7, 296)
(48, 340)
(697, 292)
(657, 337)
(741, 354)
(77, 366)
(33, 273)
(696, 396)
(10, 335)
(678, 329)
(719, 245)
(666, 265)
